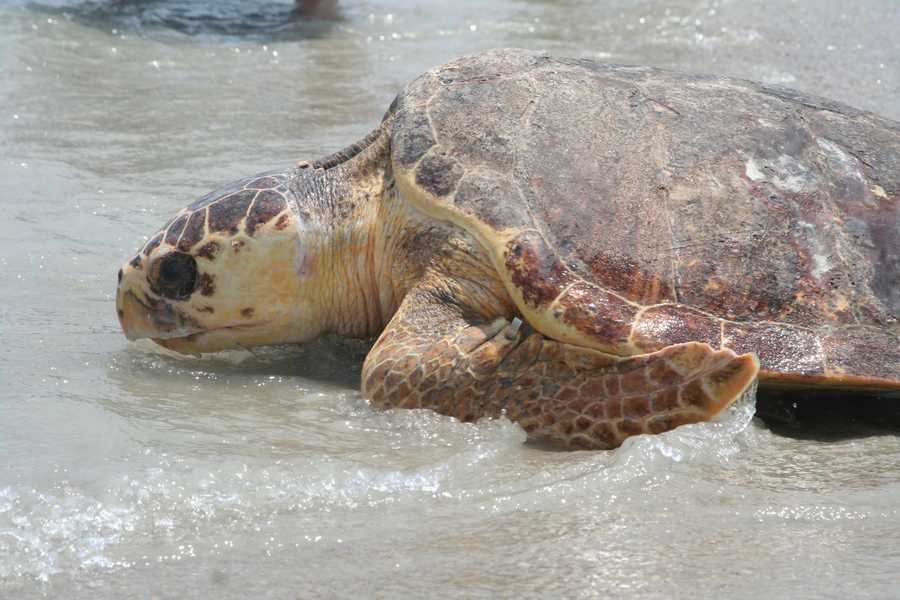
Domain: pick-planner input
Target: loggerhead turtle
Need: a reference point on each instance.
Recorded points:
(594, 251)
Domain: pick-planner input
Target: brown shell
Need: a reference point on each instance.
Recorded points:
(642, 207)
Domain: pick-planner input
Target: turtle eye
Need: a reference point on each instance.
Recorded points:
(174, 276)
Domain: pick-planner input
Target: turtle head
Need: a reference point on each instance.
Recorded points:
(234, 269)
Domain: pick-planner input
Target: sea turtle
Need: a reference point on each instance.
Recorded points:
(594, 251)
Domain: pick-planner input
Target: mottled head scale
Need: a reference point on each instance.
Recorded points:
(225, 271)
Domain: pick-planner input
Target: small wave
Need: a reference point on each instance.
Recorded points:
(262, 20)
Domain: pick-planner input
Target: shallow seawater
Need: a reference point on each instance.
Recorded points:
(130, 472)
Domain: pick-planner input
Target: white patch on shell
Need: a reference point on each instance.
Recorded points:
(821, 262)
(766, 123)
(834, 151)
(786, 173)
(879, 191)
(821, 265)
(753, 172)
(849, 164)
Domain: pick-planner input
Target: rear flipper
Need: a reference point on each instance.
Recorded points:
(433, 356)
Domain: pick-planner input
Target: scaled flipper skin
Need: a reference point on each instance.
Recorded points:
(443, 357)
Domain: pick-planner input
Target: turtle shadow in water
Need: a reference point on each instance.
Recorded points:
(329, 360)
(828, 415)
(258, 20)
(281, 399)
(332, 360)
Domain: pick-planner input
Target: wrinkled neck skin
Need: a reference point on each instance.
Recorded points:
(364, 246)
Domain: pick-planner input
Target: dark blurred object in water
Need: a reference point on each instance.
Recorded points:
(318, 9)
(254, 19)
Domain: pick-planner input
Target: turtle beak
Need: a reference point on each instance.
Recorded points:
(134, 316)
(143, 316)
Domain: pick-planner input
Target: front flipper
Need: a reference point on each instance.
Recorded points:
(434, 355)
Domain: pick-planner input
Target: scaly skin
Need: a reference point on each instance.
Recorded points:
(442, 356)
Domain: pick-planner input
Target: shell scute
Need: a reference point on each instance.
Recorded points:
(675, 324)
(413, 136)
(598, 313)
(535, 270)
(492, 199)
(779, 347)
(438, 174)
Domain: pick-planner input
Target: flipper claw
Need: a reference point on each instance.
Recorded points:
(513, 330)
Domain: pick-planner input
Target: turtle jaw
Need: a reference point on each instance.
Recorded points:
(246, 335)
(142, 316)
